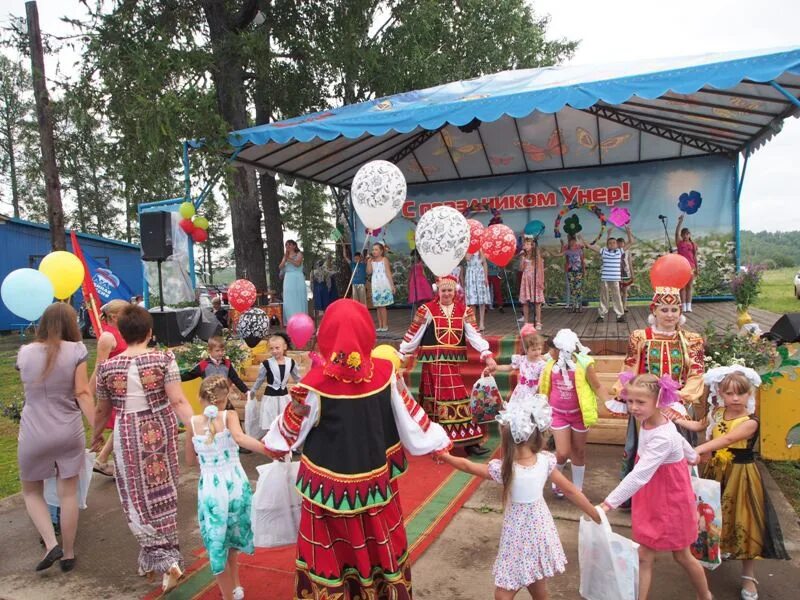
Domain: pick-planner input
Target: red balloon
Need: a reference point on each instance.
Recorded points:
(241, 294)
(670, 270)
(475, 235)
(199, 235)
(187, 226)
(499, 244)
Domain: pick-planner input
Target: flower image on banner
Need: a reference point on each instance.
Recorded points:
(690, 203)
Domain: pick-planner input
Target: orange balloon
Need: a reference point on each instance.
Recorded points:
(670, 270)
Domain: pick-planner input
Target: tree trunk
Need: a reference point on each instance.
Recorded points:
(44, 114)
(270, 203)
(228, 75)
(12, 171)
(273, 225)
(79, 199)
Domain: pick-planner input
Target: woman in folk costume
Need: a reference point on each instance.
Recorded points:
(662, 349)
(440, 331)
(353, 423)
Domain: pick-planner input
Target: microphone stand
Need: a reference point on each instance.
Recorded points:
(666, 234)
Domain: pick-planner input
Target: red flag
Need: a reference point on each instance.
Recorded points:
(90, 295)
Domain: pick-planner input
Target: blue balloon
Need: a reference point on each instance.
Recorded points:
(534, 228)
(26, 293)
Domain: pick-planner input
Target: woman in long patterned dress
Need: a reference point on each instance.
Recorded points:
(663, 348)
(144, 386)
(352, 541)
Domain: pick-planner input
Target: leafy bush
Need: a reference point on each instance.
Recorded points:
(727, 348)
(189, 355)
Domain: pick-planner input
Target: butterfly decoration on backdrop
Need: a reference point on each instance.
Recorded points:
(555, 147)
(456, 149)
(501, 161)
(586, 140)
(414, 167)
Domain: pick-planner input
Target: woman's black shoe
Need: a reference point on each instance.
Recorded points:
(55, 554)
(476, 450)
(67, 564)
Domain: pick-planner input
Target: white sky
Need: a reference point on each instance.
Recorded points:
(621, 30)
(625, 29)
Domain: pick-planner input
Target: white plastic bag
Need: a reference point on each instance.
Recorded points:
(609, 562)
(276, 504)
(84, 480)
(252, 417)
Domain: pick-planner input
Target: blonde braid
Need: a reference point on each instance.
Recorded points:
(207, 394)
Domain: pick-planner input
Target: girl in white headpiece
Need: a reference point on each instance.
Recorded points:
(530, 549)
(572, 387)
(750, 527)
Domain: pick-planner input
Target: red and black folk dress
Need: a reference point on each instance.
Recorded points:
(353, 431)
(439, 335)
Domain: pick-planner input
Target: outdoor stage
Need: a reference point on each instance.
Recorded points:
(608, 337)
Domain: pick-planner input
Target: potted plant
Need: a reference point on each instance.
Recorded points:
(745, 286)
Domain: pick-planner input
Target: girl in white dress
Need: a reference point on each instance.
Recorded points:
(477, 286)
(530, 549)
(529, 365)
(276, 371)
(383, 291)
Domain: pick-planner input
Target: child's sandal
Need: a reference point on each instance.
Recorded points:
(746, 594)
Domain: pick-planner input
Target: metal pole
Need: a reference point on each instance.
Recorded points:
(793, 99)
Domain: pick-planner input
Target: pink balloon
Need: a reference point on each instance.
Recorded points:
(300, 329)
(619, 217)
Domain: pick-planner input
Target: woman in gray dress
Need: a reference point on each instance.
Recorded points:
(51, 436)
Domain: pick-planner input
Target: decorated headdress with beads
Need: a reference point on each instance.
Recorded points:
(668, 275)
(446, 282)
(346, 337)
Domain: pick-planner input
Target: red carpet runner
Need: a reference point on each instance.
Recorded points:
(430, 494)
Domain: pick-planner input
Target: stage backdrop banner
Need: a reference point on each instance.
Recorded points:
(646, 190)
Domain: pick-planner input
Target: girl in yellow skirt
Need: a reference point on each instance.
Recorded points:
(750, 527)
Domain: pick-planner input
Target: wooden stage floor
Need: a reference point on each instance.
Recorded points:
(608, 337)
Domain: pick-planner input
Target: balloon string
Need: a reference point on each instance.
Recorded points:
(514, 310)
(352, 258)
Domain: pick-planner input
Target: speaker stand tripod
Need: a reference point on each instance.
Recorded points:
(160, 287)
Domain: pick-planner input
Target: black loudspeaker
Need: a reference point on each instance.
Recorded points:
(165, 329)
(156, 235)
(206, 330)
(786, 329)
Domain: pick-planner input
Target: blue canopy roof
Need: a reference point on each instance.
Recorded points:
(542, 119)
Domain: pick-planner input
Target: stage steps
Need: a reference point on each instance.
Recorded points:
(608, 430)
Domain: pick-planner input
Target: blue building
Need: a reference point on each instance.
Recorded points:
(24, 244)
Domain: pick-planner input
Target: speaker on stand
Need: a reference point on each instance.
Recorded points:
(156, 236)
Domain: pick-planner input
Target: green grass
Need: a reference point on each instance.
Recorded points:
(777, 292)
(787, 475)
(11, 386)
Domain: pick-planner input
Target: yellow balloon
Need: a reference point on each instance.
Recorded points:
(387, 352)
(65, 272)
(412, 242)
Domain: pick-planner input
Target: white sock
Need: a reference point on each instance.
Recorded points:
(561, 467)
(689, 306)
(577, 475)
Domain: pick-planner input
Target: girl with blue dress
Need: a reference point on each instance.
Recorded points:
(295, 300)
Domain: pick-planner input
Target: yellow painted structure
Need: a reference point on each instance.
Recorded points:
(191, 389)
(779, 411)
